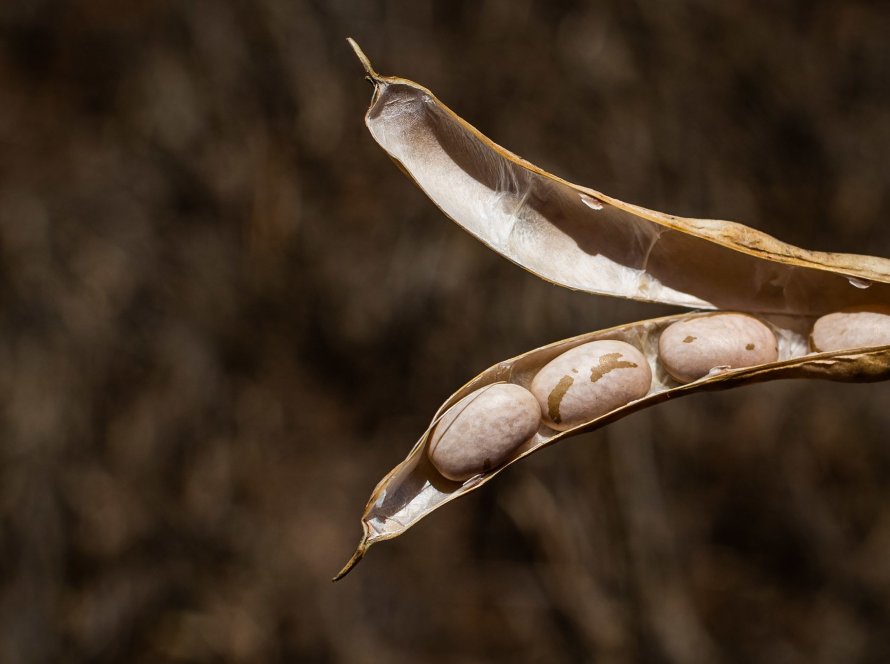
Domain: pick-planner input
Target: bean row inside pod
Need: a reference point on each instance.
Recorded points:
(487, 426)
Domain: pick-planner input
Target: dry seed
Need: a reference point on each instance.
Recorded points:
(590, 380)
(482, 430)
(689, 349)
(855, 327)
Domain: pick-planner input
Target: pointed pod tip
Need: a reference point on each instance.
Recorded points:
(360, 552)
(360, 54)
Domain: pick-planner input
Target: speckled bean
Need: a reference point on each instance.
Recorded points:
(590, 380)
(482, 430)
(689, 349)
(856, 327)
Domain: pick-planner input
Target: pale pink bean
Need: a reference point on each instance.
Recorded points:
(590, 380)
(689, 349)
(856, 327)
(482, 430)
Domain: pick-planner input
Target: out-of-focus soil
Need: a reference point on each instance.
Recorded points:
(224, 315)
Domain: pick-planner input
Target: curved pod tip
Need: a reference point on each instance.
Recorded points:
(373, 76)
(356, 558)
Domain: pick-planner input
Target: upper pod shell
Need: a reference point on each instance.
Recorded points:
(690, 349)
(584, 239)
(590, 380)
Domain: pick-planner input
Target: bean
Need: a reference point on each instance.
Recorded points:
(689, 349)
(855, 327)
(482, 430)
(590, 380)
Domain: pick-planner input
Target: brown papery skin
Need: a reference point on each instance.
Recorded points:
(589, 381)
(688, 350)
(855, 327)
(480, 432)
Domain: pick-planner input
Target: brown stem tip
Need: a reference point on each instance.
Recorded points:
(360, 54)
(360, 552)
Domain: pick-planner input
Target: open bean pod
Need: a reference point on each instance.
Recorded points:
(582, 239)
(414, 488)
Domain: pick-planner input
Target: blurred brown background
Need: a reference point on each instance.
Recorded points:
(224, 315)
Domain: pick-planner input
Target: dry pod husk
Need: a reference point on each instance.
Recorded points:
(582, 239)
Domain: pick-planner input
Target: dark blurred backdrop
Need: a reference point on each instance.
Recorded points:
(224, 315)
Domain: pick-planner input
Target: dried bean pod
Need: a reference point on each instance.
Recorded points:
(586, 240)
(414, 489)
